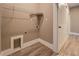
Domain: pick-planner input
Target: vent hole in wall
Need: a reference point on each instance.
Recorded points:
(17, 43)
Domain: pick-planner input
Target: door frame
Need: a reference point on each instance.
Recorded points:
(0, 31)
(55, 26)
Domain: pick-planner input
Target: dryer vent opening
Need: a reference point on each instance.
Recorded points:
(16, 42)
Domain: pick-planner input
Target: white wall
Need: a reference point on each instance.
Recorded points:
(74, 12)
(46, 28)
(20, 23)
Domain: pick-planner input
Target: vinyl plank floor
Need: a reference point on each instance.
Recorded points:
(71, 48)
(37, 49)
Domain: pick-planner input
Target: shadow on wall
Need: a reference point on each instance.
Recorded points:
(38, 20)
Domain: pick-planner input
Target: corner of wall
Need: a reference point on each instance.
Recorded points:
(0, 33)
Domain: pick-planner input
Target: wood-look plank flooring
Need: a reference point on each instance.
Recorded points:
(37, 49)
(71, 47)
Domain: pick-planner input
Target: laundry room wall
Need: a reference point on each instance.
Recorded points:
(46, 29)
(19, 24)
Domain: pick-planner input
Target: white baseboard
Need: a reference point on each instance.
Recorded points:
(73, 33)
(30, 43)
(46, 43)
(27, 44)
(10, 51)
(6, 52)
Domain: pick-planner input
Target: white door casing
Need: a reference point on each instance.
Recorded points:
(0, 30)
(55, 34)
(63, 25)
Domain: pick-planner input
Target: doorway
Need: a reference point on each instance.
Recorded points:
(63, 24)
